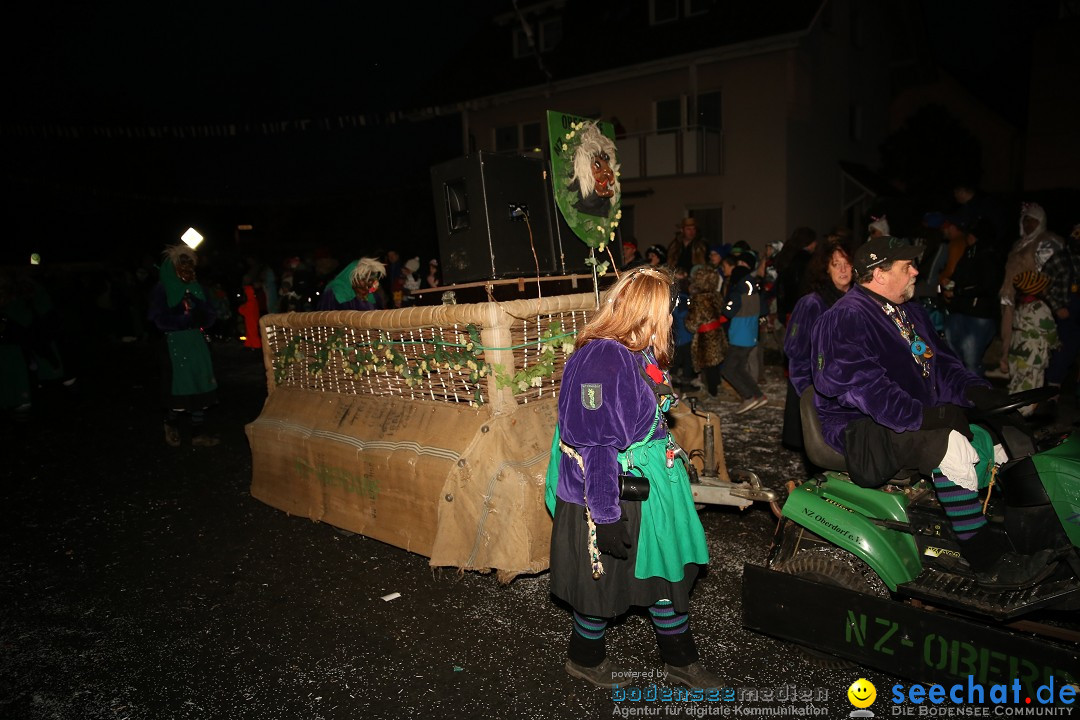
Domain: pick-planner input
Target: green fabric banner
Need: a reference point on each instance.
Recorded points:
(585, 176)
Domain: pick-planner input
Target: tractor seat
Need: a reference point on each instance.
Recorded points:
(821, 453)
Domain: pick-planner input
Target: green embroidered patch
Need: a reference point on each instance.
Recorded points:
(794, 330)
(592, 395)
(820, 361)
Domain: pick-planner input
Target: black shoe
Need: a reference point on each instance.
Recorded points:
(693, 676)
(605, 675)
(1016, 572)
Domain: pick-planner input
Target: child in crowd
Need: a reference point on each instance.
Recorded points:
(742, 308)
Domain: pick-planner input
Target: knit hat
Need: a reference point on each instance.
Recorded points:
(660, 252)
(413, 264)
(742, 251)
(1030, 282)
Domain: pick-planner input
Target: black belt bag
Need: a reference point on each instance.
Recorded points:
(633, 488)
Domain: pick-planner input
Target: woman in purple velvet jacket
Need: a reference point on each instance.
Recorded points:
(610, 553)
(829, 276)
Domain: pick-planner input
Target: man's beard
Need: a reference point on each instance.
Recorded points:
(909, 292)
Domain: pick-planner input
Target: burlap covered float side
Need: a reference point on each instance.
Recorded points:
(416, 462)
(447, 464)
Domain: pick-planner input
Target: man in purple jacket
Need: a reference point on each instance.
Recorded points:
(891, 396)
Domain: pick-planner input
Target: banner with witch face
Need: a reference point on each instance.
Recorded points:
(585, 176)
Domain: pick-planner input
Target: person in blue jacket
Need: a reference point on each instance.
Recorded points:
(743, 308)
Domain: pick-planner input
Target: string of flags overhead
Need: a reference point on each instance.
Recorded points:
(211, 131)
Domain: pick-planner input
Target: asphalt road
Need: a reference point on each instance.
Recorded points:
(143, 581)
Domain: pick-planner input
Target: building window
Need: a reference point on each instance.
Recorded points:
(709, 110)
(550, 34)
(697, 7)
(522, 48)
(668, 115)
(663, 11)
(506, 138)
(530, 136)
(546, 35)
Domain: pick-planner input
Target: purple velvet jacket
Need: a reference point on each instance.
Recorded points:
(862, 367)
(797, 341)
(625, 407)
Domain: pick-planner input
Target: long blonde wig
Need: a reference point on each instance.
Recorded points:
(636, 312)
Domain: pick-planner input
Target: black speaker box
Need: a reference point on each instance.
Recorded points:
(481, 204)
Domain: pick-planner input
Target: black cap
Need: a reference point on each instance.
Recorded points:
(883, 249)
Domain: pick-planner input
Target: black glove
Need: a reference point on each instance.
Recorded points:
(613, 538)
(198, 318)
(985, 398)
(946, 417)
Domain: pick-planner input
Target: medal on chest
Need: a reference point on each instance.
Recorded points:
(920, 349)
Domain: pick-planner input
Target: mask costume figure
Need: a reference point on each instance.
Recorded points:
(179, 308)
(610, 548)
(357, 287)
(595, 172)
(890, 395)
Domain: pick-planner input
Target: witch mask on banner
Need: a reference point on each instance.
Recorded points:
(585, 177)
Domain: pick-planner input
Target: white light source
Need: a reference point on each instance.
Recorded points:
(192, 238)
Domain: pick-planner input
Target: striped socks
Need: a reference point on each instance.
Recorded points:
(666, 621)
(587, 647)
(961, 506)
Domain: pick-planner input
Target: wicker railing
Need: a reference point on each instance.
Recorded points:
(494, 354)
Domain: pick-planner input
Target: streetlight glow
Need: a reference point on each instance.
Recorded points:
(192, 238)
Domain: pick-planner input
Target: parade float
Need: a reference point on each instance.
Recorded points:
(430, 427)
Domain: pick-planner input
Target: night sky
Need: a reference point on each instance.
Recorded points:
(125, 64)
(109, 62)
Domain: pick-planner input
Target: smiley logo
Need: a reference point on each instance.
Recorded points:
(862, 693)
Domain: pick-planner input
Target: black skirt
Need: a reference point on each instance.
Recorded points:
(791, 436)
(617, 590)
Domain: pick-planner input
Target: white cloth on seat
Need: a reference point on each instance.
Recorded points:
(959, 462)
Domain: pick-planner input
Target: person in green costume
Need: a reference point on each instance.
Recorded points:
(179, 308)
(610, 552)
(356, 287)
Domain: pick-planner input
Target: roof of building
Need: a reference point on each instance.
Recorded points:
(597, 37)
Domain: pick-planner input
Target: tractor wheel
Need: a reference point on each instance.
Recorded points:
(832, 566)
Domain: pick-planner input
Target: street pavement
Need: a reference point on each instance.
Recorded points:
(144, 582)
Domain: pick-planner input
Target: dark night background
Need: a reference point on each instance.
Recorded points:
(86, 83)
(258, 67)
